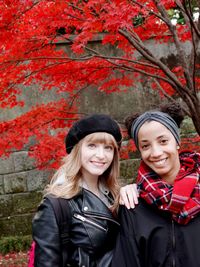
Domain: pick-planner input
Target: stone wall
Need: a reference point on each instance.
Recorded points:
(21, 185)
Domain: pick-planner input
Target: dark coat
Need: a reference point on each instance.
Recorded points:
(93, 232)
(150, 238)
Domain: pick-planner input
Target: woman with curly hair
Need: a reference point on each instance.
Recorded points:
(163, 230)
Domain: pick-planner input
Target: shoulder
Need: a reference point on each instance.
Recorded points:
(46, 202)
(44, 209)
(143, 220)
(143, 212)
(44, 219)
(141, 207)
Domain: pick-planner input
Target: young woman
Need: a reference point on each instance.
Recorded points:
(164, 228)
(88, 179)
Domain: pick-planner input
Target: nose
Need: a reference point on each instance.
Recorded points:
(100, 151)
(156, 151)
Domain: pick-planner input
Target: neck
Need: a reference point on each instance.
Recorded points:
(172, 175)
(91, 184)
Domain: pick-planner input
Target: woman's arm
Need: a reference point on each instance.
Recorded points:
(129, 196)
(126, 253)
(46, 236)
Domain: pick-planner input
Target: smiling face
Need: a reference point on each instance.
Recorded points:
(96, 155)
(158, 150)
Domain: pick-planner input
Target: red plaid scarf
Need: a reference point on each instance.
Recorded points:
(182, 199)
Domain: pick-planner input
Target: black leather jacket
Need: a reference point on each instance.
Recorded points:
(93, 231)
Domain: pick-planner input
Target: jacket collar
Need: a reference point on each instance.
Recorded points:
(102, 188)
(94, 206)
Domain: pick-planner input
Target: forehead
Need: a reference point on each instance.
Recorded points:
(100, 137)
(153, 129)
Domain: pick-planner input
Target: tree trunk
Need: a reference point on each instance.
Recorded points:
(195, 114)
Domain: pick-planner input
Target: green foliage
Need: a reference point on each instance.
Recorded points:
(15, 244)
(138, 20)
(177, 15)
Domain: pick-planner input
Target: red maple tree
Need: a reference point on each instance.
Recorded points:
(30, 31)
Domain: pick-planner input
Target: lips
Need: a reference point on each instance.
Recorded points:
(159, 163)
(98, 164)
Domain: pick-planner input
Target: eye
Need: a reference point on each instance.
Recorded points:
(164, 141)
(91, 145)
(108, 147)
(145, 146)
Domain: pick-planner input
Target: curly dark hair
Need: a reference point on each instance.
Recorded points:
(175, 111)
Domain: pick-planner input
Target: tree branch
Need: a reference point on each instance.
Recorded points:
(178, 44)
(149, 56)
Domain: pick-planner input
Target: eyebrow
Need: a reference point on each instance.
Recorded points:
(159, 137)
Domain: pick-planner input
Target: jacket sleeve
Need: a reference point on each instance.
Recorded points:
(48, 251)
(126, 253)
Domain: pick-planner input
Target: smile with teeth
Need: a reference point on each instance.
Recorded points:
(159, 162)
(97, 163)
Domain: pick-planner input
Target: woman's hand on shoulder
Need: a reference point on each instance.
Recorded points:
(129, 196)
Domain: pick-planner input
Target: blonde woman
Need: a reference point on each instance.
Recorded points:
(88, 178)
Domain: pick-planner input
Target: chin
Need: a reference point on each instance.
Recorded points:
(160, 171)
(97, 173)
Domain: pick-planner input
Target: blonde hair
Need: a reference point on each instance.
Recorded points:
(71, 170)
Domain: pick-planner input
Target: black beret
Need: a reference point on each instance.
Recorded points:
(91, 124)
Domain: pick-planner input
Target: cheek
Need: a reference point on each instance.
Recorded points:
(110, 155)
(173, 150)
(85, 154)
(144, 154)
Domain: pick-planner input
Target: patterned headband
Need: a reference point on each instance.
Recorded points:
(158, 116)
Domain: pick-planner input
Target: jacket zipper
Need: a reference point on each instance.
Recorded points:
(173, 244)
(83, 219)
(104, 218)
(74, 206)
